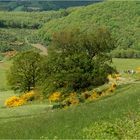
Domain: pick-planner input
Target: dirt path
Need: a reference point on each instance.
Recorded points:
(43, 49)
(39, 46)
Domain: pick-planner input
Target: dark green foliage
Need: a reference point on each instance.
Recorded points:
(29, 20)
(25, 71)
(129, 53)
(78, 60)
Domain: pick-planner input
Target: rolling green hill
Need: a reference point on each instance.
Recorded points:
(121, 17)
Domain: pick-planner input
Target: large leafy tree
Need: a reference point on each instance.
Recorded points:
(78, 60)
(25, 71)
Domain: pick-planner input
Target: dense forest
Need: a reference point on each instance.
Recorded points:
(38, 5)
(122, 18)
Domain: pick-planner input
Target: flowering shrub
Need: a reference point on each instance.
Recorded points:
(115, 76)
(14, 101)
(55, 97)
(138, 69)
(29, 96)
(111, 88)
(73, 99)
(66, 100)
(94, 96)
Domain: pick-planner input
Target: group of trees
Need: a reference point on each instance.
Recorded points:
(29, 20)
(75, 61)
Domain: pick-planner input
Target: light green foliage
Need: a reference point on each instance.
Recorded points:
(128, 128)
(4, 66)
(25, 71)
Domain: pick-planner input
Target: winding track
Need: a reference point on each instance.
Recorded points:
(39, 46)
(43, 49)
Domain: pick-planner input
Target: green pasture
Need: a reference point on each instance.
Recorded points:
(126, 64)
(38, 120)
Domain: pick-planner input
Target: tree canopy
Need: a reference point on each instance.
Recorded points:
(78, 60)
(25, 71)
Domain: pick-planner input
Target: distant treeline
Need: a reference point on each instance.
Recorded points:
(34, 5)
(29, 20)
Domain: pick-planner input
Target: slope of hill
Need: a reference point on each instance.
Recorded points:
(121, 17)
(37, 120)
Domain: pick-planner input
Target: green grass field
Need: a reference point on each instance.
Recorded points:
(126, 64)
(4, 66)
(38, 120)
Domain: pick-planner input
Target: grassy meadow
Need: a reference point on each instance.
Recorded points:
(4, 66)
(126, 64)
(38, 120)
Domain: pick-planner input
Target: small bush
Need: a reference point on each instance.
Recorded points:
(29, 96)
(54, 97)
(14, 101)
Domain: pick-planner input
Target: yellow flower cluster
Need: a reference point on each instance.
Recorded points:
(138, 69)
(114, 76)
(73, 98)
(54, 97)
(110, 89)
(94, 96)
(29, 96)
(14, 101)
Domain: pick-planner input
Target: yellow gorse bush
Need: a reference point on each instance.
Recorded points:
(29, 96)
(138, 69)
(14, 101)
(115, 76)
(73, 99)
(94, 96)
(54, 97)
